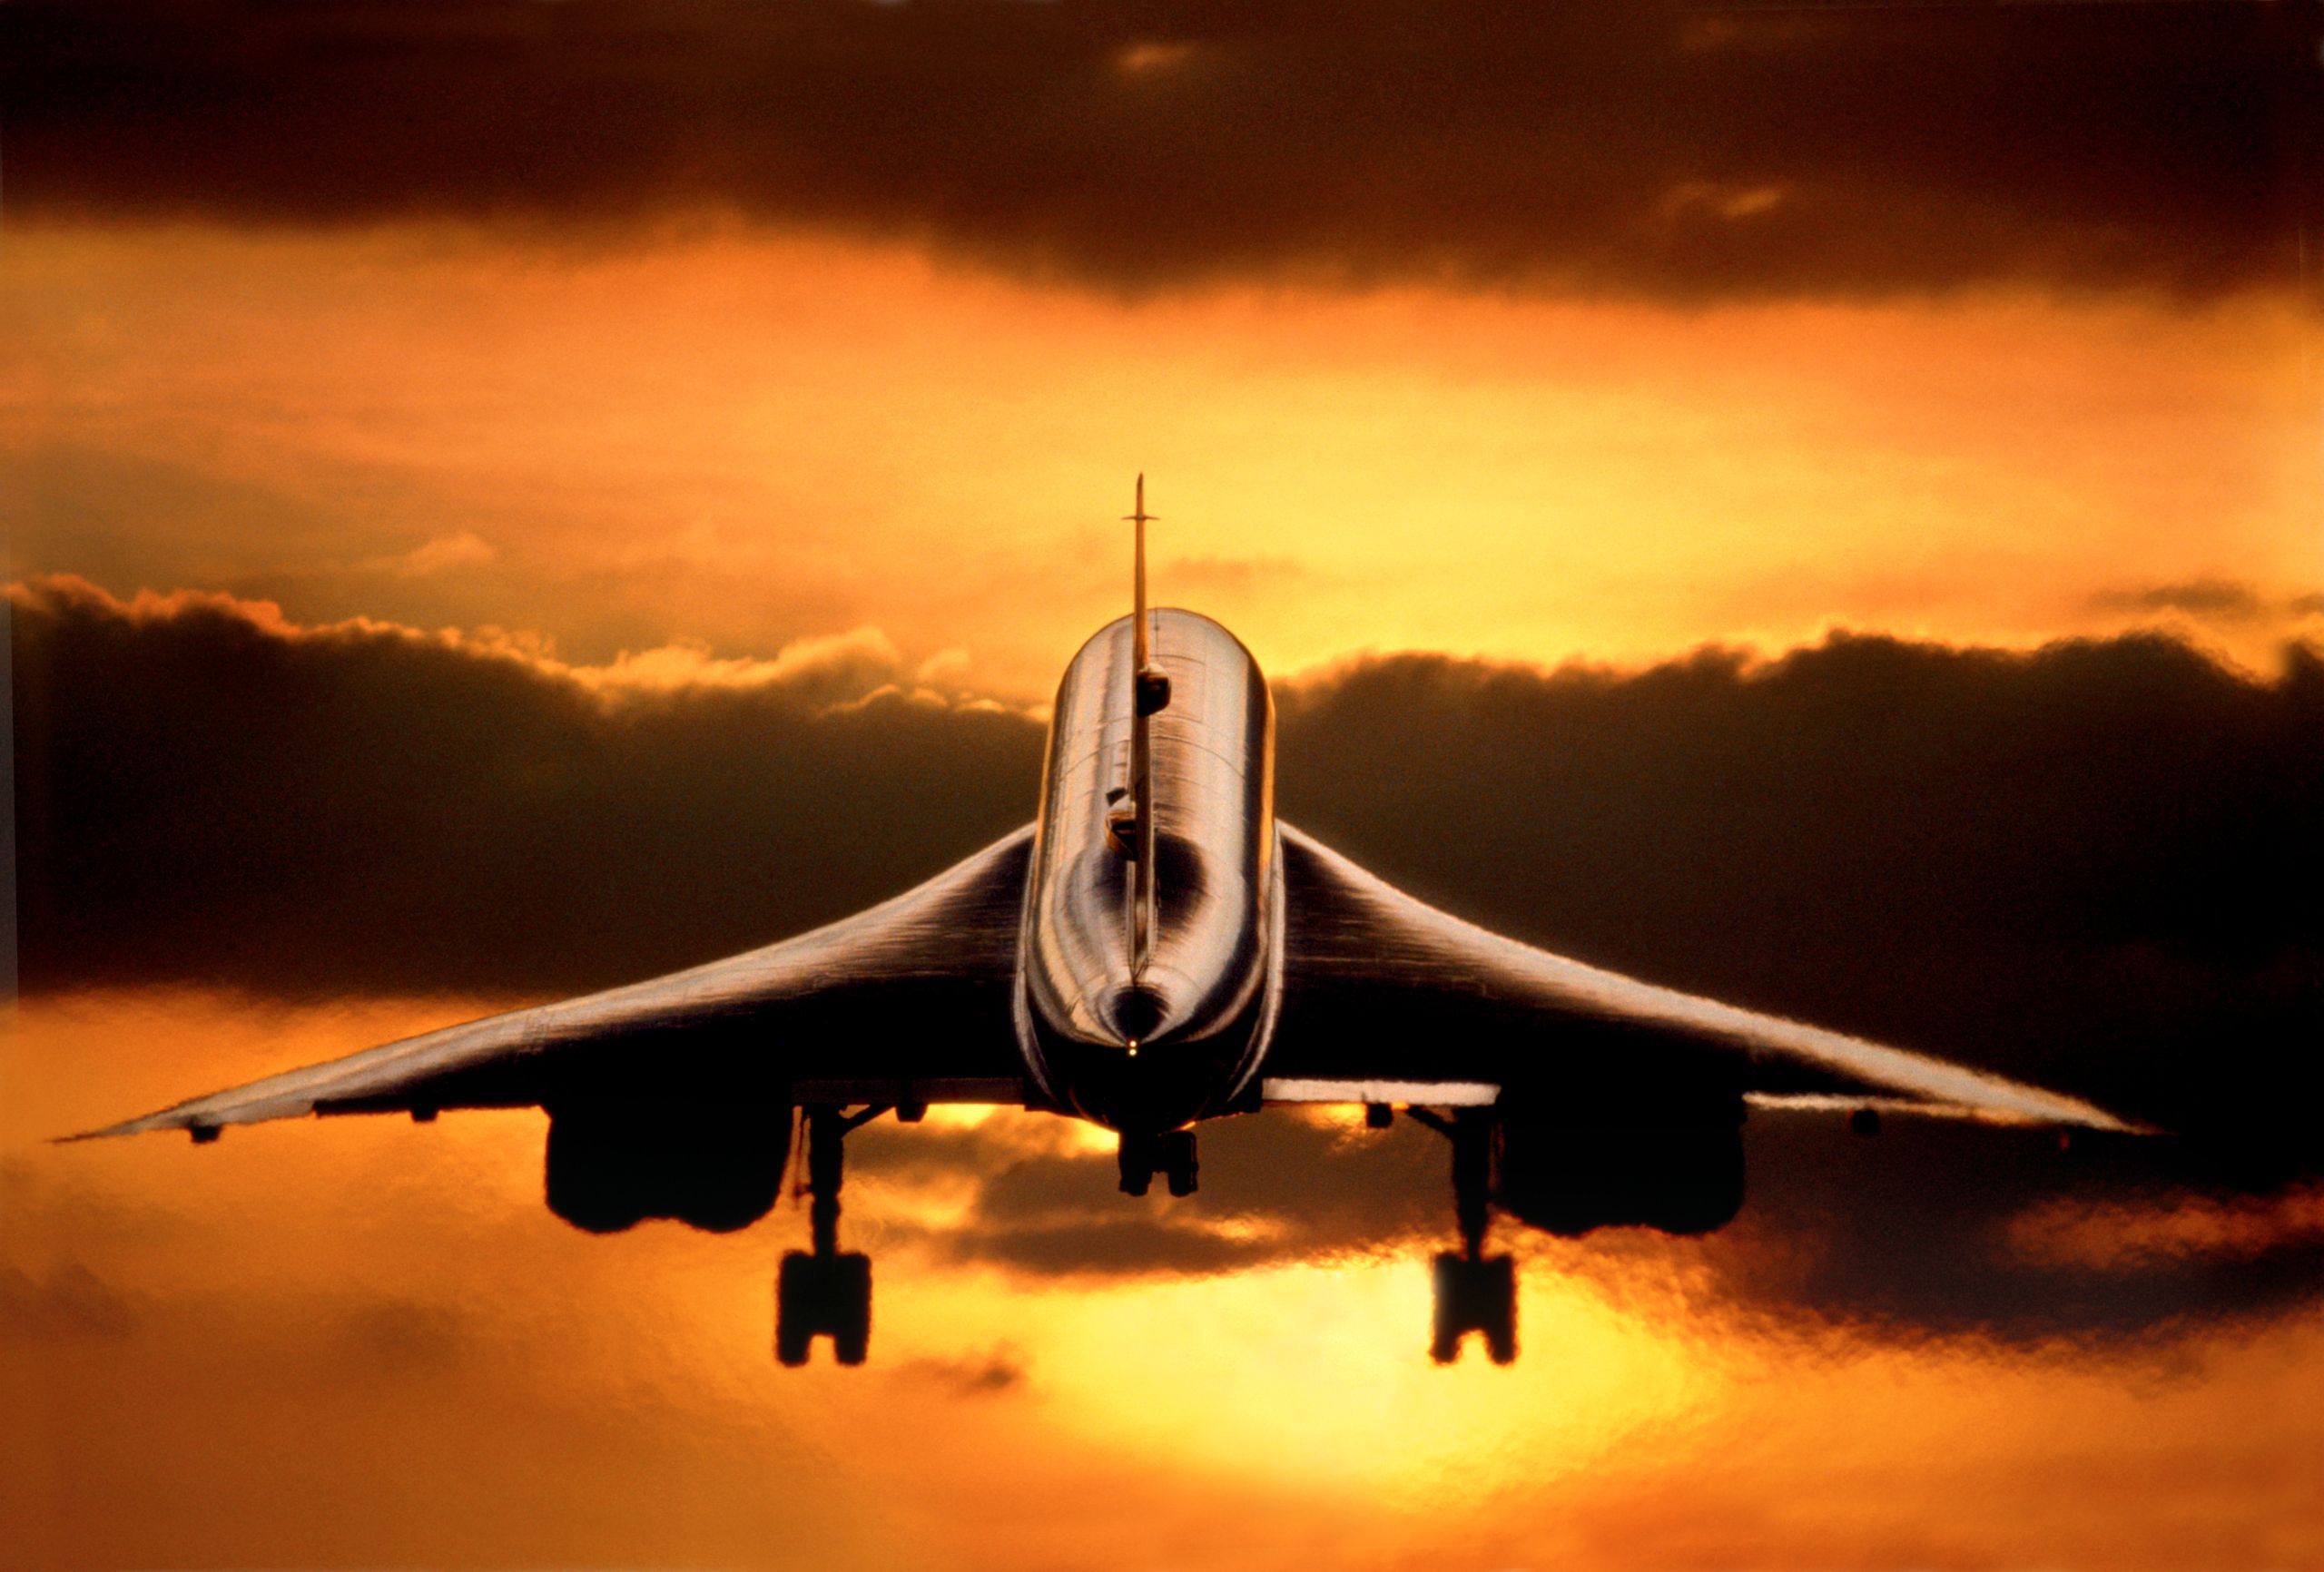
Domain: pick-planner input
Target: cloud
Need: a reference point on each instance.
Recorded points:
(1000, 1369)
(438, 554)
(1940, 1228)
(849, 666)
(1234, 575)
(397, 1337)
(69, 1304)
(201, 777)
(1676, 151)
(2213, 600)
(2237, 1228)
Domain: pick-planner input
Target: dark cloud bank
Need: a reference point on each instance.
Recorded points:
(1682, 150)
(2095, 866)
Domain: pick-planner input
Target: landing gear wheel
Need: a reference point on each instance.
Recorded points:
(795, 1316)
(1498, 1316)
(823, 1296)
(1446, 1330)
(851, 1314)
(1170, 1154)
(1138, 1163)
(1178, 1153)
(1474, 1295)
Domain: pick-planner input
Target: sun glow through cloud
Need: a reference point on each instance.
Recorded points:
(746, 439)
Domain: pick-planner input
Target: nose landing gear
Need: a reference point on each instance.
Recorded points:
(827, 1292)
(1473, 1292)
(1170, 1154)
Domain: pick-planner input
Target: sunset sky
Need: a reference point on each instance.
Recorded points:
(641, 468)
(1596, 333)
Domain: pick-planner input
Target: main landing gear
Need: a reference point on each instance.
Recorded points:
(826, 1293)
(1170, 1154)
(1474, 1291)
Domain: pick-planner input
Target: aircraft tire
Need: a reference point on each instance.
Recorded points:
(1444, 1337)
(1498, 1311)
(1178, 1156)
(850, 1306)
(794, 1309)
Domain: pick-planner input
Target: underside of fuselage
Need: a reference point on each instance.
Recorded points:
(1150, 947)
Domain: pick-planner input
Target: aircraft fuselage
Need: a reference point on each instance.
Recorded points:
(1146, 1009)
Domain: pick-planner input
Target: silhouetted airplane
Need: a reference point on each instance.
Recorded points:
(1155, 949)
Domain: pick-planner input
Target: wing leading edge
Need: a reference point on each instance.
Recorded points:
(907, 1001)
(1380, 989)
(1384, 999)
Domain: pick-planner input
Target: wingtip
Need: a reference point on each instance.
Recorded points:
(132, 1127)
(166, 1119)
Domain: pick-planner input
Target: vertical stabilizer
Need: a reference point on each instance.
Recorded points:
(1138, 654)
(1149, 692)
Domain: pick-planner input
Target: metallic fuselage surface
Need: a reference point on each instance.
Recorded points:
(1151, 1036)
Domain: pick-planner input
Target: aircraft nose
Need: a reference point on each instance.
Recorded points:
(1136, 1013)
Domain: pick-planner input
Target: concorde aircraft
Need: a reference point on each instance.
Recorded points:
(1154, 950)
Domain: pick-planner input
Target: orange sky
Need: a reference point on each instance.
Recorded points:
(362, 1342)
(735, 438)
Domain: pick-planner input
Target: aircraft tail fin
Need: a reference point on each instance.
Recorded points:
(1149, 692)
(1141, 518)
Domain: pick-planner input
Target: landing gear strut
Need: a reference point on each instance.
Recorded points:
(826, 1293)
(1474, 1291)
(1170, 1154)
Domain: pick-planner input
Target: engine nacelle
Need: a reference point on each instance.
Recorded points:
(709, 1164)
(1677, 1170)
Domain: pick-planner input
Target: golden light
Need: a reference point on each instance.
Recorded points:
(742, 439)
